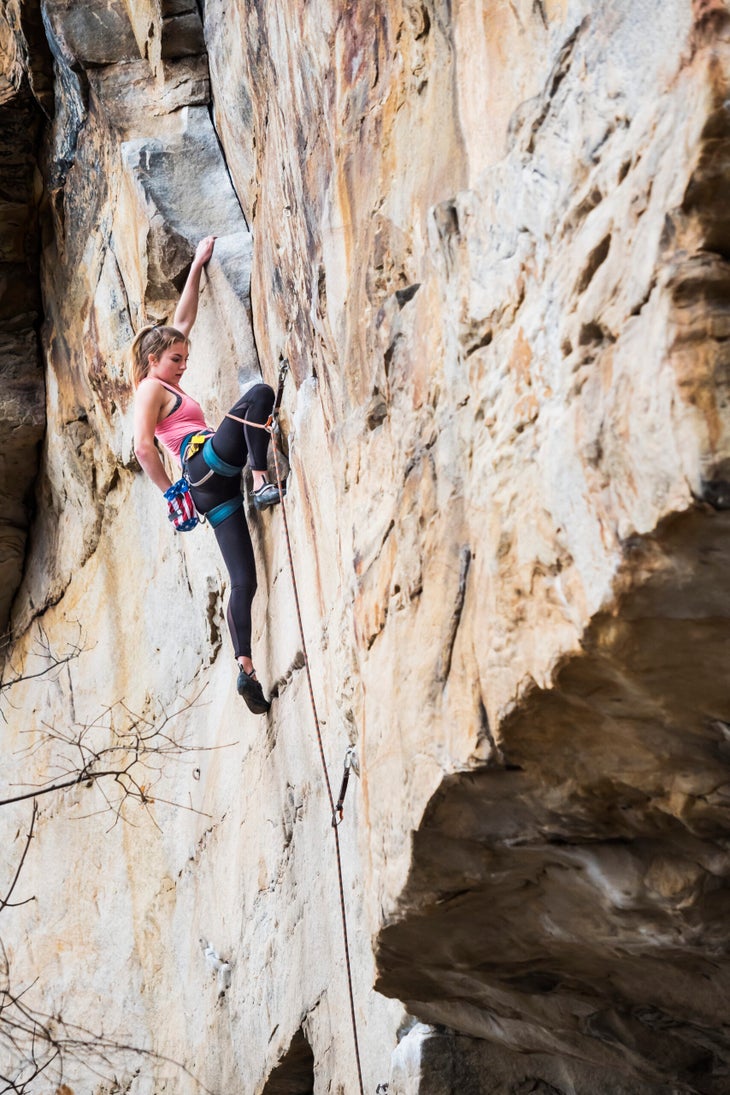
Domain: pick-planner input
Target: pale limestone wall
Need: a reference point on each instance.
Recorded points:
(490, 239)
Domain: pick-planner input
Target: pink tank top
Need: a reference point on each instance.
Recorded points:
(187, 418)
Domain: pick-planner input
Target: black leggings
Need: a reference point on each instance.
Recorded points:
(236, 443)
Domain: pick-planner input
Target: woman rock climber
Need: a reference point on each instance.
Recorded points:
(212, 460)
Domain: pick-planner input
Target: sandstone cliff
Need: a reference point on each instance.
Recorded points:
(491, 240)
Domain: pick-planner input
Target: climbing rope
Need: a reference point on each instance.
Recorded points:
(272, 426)
(275, 432)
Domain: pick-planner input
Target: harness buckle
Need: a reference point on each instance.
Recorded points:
(195, 443)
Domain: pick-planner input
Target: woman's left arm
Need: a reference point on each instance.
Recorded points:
(187, 308)
(147, 405)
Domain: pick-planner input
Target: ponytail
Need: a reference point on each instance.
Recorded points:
(151, 340)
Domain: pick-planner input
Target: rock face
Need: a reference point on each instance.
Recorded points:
(25, 94)
(492, 243)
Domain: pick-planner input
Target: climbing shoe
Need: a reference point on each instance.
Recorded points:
(267, 495)
(252, 692)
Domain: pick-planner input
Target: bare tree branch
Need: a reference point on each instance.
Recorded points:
(125, 755)
(41, 1043)
(127, 750)
(46, 653)
(5, 902)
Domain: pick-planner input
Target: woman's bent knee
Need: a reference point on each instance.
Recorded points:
(261, 395)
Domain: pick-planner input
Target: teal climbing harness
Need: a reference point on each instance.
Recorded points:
(192, 444)
(218, 514)
(214, 462)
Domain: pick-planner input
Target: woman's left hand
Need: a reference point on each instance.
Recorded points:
(204, 250)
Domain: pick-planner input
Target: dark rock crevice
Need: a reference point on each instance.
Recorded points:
(23, 114)
(576, 901)
(294, 1074)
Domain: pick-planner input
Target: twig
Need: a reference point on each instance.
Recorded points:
(5, 901)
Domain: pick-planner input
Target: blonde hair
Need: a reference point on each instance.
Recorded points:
(151, 340)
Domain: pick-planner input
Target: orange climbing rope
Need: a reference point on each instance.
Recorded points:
(272, 426)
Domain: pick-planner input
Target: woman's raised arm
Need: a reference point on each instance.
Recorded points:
(187, 308)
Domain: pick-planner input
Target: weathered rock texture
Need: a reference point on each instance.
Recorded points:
(25, 96)
(492, 242)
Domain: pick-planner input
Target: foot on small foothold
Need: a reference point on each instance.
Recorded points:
(267, 495)
(252, 692)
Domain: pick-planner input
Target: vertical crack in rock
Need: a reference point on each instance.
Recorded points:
(22, 398)
(444, 665)
(222, 150)
(556, 78)
(596, 258)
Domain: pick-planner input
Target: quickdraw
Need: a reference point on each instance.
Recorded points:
(350, 763)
